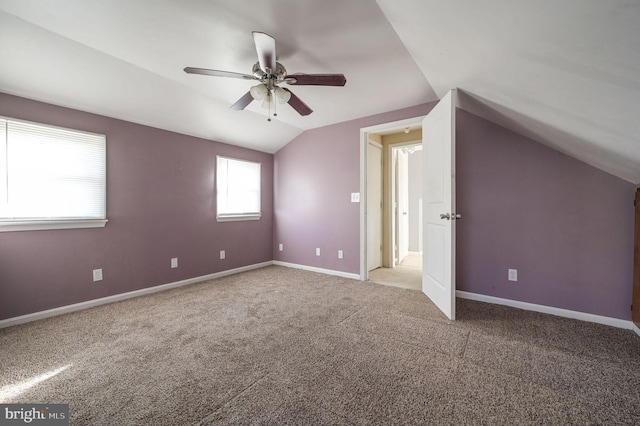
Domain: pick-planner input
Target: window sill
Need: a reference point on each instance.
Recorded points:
(40, 225)
(238, 217)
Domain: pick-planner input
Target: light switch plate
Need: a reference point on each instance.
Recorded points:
(174, 262)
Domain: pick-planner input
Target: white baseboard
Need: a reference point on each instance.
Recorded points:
(636, 329)
(320, 270)
(123, 296)
(583, 316)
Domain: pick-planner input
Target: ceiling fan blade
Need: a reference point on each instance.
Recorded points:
(266, 49)
(217, 73)
(316, 79)
(297, 104)
(242, 102)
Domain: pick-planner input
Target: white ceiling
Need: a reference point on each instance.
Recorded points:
(566, 73)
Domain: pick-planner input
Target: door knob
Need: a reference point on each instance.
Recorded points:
(450, 216)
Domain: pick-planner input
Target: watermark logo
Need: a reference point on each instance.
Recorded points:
(34, 414)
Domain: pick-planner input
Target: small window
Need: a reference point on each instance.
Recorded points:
(50, 177)
(238, 190)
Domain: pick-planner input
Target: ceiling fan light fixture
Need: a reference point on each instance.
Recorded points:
(282, 95)
(259, 92)
(267, 100)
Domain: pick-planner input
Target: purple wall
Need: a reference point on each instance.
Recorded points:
(565, 226)
(315, 175)
(160, 204)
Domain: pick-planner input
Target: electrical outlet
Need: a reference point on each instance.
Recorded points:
(97, 275)
(223, 254)
(340, 254)
(280, 247)
(513, 275)
(174, 262)
(318, 251)
(355, 197)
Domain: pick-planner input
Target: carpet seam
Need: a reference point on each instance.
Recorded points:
(350, 315)
(224, 403)
(466, 342)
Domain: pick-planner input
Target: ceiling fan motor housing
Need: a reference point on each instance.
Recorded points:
(279, 74)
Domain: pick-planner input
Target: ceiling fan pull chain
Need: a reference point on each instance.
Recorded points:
(275, 106)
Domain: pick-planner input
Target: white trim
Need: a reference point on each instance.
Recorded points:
(320, 270)
(393, 125)
(39, 225)
(238, 217)
(583, 316)
(635, 328)
(376, 144)
(364, 147)
(123, 296)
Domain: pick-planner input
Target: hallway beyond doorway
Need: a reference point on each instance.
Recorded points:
(408, 274)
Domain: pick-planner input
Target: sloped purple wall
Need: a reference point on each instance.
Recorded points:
(160, 204)
(565, 226)
(315, 175)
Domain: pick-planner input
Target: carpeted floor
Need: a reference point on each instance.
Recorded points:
(285, 346)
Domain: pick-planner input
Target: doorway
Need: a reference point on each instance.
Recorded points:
(400, 196)
(437, 130)
(406, 221)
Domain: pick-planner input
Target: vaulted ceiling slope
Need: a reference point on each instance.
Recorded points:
(125, 59)
(566, 73)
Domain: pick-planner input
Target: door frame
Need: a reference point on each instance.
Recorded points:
(366, 200)
(635, 301)
(364, 140)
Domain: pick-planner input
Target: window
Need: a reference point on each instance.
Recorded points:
(50, 177)
(238, 190)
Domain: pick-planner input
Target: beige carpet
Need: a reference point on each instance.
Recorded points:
(283, 346)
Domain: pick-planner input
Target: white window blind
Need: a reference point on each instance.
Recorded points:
(50, 173)
(238, 189)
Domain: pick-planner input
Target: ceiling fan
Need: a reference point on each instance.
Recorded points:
(271, 74)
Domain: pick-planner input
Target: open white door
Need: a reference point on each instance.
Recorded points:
(438, 256)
